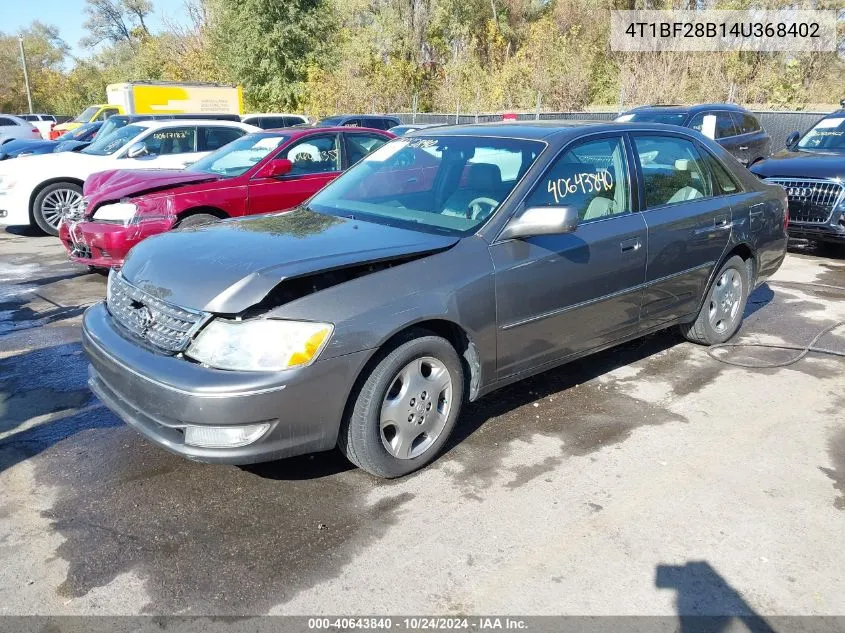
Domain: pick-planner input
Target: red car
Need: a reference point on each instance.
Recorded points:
(258, 173)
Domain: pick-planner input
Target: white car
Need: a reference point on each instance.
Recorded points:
(44, 123)
(13, 127)
(43, 189)
(271, 121)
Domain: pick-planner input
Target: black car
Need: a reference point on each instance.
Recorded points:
(372, 121)
(812, 170)
(71, 141)
(734, 128)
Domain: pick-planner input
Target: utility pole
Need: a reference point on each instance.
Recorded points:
(25, 73)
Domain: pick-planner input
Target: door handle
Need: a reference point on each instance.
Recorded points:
(630, 246)
(721, 222)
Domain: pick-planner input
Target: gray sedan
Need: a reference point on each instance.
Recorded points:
(445, 265)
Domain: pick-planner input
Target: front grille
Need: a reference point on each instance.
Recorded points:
(810, 201)
(80, 250)
(165, 326)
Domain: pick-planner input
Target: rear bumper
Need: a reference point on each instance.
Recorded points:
(104, 245)
(159, 395)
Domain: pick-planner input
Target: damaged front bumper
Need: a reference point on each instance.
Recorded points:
(104, 244)
(162, 396)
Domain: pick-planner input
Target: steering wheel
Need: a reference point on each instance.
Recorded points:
(474, 209)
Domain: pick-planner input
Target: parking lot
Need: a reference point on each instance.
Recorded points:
(649, 479)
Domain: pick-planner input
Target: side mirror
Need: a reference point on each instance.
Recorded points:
(278, 167)
(542, 221)
(137, 150)
(792, 139)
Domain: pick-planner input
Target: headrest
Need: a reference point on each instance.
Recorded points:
(484, 176)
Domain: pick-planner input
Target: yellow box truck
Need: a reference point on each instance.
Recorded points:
(160, 97)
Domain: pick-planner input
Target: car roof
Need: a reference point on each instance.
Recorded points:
(156, 123)
(361, 116)
(542, 130)
(15, 118)
(303, 131)
(692, 109)
(252, 114)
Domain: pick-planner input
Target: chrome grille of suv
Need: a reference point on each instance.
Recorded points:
(165, 326)
(811, 201)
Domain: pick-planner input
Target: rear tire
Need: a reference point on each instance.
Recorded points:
(405, 410)
(198, 219)
(723, 307)
(52, 203)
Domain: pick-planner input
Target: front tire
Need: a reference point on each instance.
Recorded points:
(406, 408)
(721, 313)
(53, 203)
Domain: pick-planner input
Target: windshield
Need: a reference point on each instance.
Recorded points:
(441, 184)
(238, 157)
(332, 121)
(112, 124)
(107, 145)
(86, 115)
(827, 134)
(668, 118)
(78, 134)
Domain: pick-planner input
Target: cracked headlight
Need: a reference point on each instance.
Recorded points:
(259, 344)
(119, 213)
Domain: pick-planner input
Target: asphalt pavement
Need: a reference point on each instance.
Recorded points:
(648, 479)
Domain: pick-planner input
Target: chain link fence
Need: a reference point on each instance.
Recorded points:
(778, 124)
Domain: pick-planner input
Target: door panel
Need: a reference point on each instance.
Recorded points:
(316, 162)
(688, 228)
(557, 295)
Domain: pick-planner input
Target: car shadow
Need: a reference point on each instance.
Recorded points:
(705, 602)
(540, 386)
(758, 299)
(816, 249)
(24, 231)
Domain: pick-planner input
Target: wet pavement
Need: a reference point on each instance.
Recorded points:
(620, 484)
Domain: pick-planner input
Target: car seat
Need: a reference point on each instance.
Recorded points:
(483, 180)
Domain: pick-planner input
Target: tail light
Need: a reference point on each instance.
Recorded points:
(54, 134)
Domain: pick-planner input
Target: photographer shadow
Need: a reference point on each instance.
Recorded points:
(706, 602)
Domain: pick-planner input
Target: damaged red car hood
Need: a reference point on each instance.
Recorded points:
(117, 184)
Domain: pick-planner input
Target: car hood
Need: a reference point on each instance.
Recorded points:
(12, 148)
(117, 184)
(800, 164)
(230, 266)
(41, 167)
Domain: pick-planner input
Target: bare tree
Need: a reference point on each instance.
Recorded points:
(115, 21)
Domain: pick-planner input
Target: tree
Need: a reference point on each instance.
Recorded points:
(116, 21)
(45, 53)
(267, 46)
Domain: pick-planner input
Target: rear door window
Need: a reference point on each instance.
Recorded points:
(174, 140)
(673, 170)
(725, 125)
(4, 122)
(746, 123)
(212, 138)
(360, 144)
